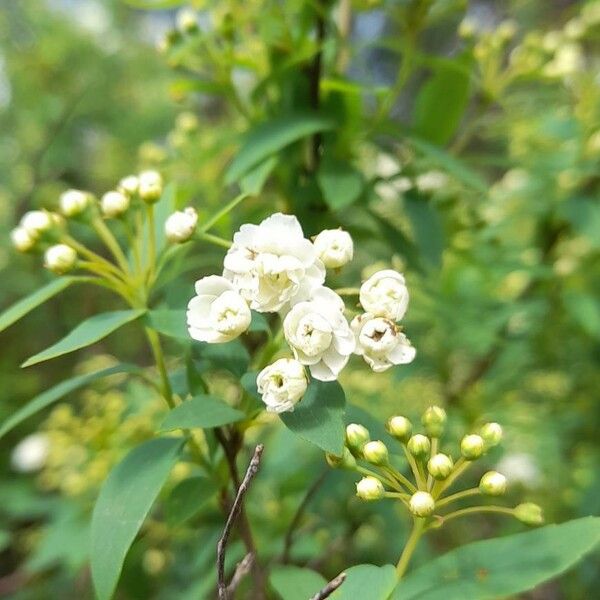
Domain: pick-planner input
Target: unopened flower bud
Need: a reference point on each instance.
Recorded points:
(37, 222)
(180, 226)
(434, 419)
(345, 461)
(440, 466)
(128, 185)
(187, 20)
(472, 446)
(421, 504)
(491, 434)
(530, 514)
(22, 240)
(60, 258)
(151, 186)
(375, 453)
(356, 437)
(370, 488)
(492, 484)
(399, 427)
(73, 202)
(114, 204)
(419, 445)
(334, 247)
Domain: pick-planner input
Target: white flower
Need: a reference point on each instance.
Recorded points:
(319, 334)
(187, 20)
(30, 453)
(272, 263)
(60, 258)
(380, 343)
(114, 204)
(431, 181)
(73, 202)
(521, 468)
(37, 222)
(217, 313)
(334, 247)
(129, 185)
(282, 384)
(150, 186)
(21, 239)
(180, 226)
(385, 294)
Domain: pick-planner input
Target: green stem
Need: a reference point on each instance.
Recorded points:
(111, 243)
(401, 478)
(457, 496)
(220, 214)
(159, 357)
(213, 239)
(409, 548)
(459, 468)
(151, 244)
(92, 256)
(382, 478)
(349, 291)
(478, 509)
(434, 449)
(414, 467)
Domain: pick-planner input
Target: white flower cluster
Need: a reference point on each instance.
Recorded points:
(272, 267)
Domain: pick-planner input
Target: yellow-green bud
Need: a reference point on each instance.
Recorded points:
(472, 446)
(22, 240)
(421, 504)
(128, 185)
(356, 437)
(492, 484)
(150, 186)
(345, 461)
(434, 419)
(37, 222)
(399, 427)
(419, 445)
(74, 202)
(375, 453)
(370, 488)
(440, 466)
(114, 204)
(60, 258)
(491, 434)
(530, 514)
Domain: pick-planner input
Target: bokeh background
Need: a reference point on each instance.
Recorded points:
(486, 194)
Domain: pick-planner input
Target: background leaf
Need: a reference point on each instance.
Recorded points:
(341, 183)
(319, 416)
(367, 582)
(125, 499)
(201, 411)
(187, 498)
(503, 566)
(171, 323)
(295, 583)
(90, 331)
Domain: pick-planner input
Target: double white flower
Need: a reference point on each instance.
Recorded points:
(273, 263)
(385, 294)
(319, 334)
(282, 384)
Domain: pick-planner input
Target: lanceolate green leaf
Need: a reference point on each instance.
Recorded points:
(367, 582)
(319, 416)
(270, 137)
(188, 497)
(341, 183)
(90, 331)
(503, 566)
(57, 392)
(171, 323)
(25, 305)
(201, 411)
(296, 583)
(124, 501)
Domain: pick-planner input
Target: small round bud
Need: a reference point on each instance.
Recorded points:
(376, 453)
(419, 445)
(128, 185)
(37, 222)
(530, 514)
(492, 484)
(472, 446)
(187, 20)
(356, 437)
(369, 488)
(60, 258)
(399, 427)
(491, 434)
(151, 186)
(334, 247)
(421, 504)
(434, 419)
(114, 204)
(21, 239)
(73, 203)
(440, 466)
(346, 461)
(180, 226)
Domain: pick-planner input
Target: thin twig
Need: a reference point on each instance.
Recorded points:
(233, 514)
(242, 569)
(333, 585)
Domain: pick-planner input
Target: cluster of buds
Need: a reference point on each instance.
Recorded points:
(424, 490)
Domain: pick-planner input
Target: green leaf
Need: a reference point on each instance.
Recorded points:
(202, 411)
(427, 228)
(59, 391)
(367, 582)
(124, 501)
(259, 323)
(503, 566)
(441, 104)
(231, 356)
(268, 138)
(253, 182)
(171, 323)
(341, 183)
(187, 498)
(26, 305)
(295, 583)
(86, 333)
(319, 416)
(584, 310)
